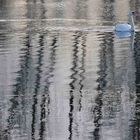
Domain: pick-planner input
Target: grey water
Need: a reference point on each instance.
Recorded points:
(64, 73)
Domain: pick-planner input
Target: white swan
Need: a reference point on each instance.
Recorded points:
(126, 27)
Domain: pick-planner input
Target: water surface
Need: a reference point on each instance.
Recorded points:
(64, 73)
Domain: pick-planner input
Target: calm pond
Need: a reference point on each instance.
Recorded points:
(65, 74)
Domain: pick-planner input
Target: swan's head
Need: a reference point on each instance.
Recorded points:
(131, 13)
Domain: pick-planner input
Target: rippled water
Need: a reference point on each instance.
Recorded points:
(64, 73)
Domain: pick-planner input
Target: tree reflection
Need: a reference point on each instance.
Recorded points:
(136, 122)
(77, 77)
(37, 83)
(106, 56)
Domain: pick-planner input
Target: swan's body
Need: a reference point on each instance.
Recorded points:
(126, 27)
(123, 27)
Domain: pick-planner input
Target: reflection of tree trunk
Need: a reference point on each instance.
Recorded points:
(20, 89)
(45, 97)
(81, 10)
(3, 3)
(136, 124)
(137, 7)
(82, 69)
(77, 78)
(107, 44)
(42, 1)
(108, 10)
(35, 10)
(37, 83)
(72, 86)
(38, 68)
(104, 54)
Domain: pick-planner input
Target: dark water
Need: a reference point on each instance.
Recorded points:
(64, 73)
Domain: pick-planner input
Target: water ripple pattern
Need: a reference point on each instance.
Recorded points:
(65, 74)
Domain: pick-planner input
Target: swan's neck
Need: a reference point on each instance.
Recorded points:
(131, 21)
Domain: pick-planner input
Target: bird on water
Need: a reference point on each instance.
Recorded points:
(126, 27)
